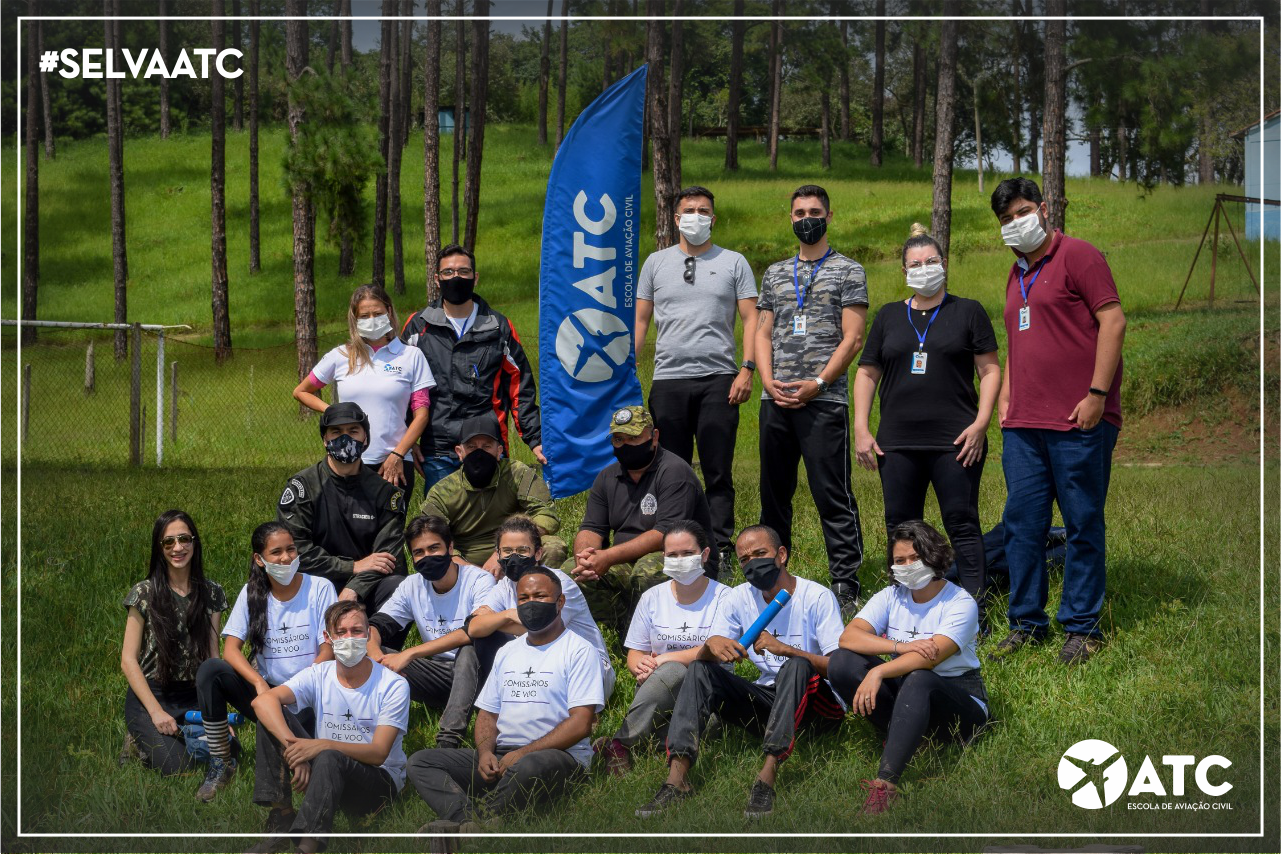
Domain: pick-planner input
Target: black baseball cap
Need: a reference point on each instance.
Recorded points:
(480, 425)
(346, 412)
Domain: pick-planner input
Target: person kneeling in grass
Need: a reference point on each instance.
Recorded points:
(792, 658)
(355, 760)
(443, 671)
(932, 683)
(535, 715)
(668, 630)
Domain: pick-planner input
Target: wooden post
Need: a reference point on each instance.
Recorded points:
(142, 432)
(26, 400)
(135, 399)
(89, 368)
(173, 409)
(1214, 249)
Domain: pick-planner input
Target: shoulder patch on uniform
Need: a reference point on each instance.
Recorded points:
(287, 497)
(299, 489)
(649, 504)
(397, 500)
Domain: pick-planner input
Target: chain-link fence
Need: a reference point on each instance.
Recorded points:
(167, 402)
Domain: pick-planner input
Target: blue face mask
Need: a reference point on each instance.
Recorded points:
(345, 448)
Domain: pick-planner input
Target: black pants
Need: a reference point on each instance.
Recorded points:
(818, 433)
(698, 409)
(905, 478)
(337, 782)
(449, 685)
(448, 779)
(166, 753)
(907, 707)
(798, 696)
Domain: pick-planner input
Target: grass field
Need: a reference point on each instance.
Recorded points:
(1180, 673)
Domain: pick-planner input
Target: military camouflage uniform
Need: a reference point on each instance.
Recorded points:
(474, 514)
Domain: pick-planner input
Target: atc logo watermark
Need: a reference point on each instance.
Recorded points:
(1096, 773)
(93, 63)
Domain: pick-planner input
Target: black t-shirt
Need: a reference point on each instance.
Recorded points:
(927, 411)
(667, 492)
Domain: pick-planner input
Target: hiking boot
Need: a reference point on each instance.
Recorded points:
(1077, 649)
(618, 759)
(272, 845)
(847, 598)
(880, 797)
(217, 777)
(761, 800)
(1013, 642)
(309, 845)
(438, 843)
(666, 796)
(128, 751)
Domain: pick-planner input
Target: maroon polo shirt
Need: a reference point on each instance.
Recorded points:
(1051, 364)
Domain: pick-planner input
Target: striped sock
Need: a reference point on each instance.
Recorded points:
(219, 739)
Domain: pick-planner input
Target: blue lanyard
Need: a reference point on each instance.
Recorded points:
(1027, 289)
(800, 300)
(920, 336)
(471, 319)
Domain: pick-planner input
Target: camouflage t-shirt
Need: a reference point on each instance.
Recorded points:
(148, 658)
(841, 283)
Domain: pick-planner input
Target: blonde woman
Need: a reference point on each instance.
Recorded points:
(386, 378)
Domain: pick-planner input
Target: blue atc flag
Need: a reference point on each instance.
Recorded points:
(587, 285)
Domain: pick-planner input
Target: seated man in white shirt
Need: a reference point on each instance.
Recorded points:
(442, 670)
(535, 714)
(791, 655)
(353, 760)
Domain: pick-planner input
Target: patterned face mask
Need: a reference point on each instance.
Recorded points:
(345, 448)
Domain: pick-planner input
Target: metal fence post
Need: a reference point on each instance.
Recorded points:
(26, 400)
(173, 403)
(135, 399)
(89, 379)
(160, 398)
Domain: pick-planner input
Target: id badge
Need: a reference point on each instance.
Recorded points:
(1025, 318)
(798, 324)
(918, 362)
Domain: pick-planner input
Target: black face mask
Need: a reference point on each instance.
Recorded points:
(479, 467)
(457, 290)
(433, 567)
(536, 616)
(810, 230)
(762, 572)
(635, 457)
(514, 566)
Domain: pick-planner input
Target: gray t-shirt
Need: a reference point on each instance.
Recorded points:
(695, 322)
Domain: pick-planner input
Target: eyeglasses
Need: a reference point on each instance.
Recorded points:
(169, 542)
(689, 270)
(916, 265)
(465, 272)
(523, 551)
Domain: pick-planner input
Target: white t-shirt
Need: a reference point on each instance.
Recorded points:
(810, 621)
(953, 613)
(661, 624)
(352, 716)
(382, 389)
(576, 615)
(532, 688)
(438, 614)
(293, 628)
(462, 324)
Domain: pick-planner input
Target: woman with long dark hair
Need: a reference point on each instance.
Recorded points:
(279, 617)
(172, 627)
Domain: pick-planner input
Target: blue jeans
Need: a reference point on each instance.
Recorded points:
(1071, 467)
(436, 469)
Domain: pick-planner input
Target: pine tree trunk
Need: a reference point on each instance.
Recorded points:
(460, 112)
(776, 83)
(1052, 186)
(387, 58)
(238, 86)
(116, 169)
(344, 35)
(675, 90)
(346, 247)
(846, 131)
(1096, 152)
(331, 55)
(1034, 140)
(1016, 71)
(304, 217)
(395, 134)
(878, 89)
(664, 188)
(560, 75)
(918, 100)
(31, 185)
(479, 95)
(944, 117)
(825, 130)
(406, 71)
(1205, 160)
(431, 151)
(218, 191)
(46, 100)
(255, 253)
(738, 27)
(544, 75)
(163, 47)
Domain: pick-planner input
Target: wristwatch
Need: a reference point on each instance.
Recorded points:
(822, 384)
(749, 365)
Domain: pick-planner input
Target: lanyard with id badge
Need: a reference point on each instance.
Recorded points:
(799, 324)
(1025, 314)
(919, 357)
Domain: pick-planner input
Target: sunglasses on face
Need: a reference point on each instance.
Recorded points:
(169, 542)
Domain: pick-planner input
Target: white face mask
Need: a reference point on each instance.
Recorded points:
(1024, 234)
(373, 328)
(281, 573)
(913, 576)
(349, 651)
(926, 280)
(697, 228)
(683, 570)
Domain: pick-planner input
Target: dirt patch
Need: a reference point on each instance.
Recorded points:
(1224, 431)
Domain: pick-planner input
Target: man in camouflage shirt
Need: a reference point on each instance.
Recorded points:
(813, 310)
(479, 497)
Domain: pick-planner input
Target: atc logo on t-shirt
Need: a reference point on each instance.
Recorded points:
(389, 368)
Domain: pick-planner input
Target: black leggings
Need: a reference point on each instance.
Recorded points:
(218, 684)
(907, 707)
(166, 753)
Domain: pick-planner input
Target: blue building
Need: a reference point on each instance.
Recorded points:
(1265, 136)
(446, 118)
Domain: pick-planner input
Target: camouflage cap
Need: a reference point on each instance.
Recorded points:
(630, 421)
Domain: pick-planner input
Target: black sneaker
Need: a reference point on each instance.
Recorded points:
(1013, 642)
(279, 820)
(847, 598)
(761, 800)
(666, 796)
(1077, 649)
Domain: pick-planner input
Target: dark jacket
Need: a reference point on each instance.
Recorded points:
(337, 521)
(484, 370)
